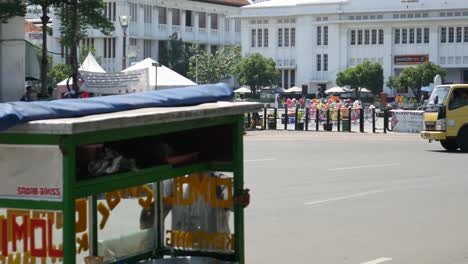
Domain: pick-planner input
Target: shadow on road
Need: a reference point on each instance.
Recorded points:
(447, 152)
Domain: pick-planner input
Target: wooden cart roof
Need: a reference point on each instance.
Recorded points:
(133, 118)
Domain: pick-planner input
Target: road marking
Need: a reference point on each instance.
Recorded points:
(377, 261)
(347, 197)
(364, 167)
(257, 160)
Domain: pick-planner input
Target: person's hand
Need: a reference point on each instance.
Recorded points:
(243, 199)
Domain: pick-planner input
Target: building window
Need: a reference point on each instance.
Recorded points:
(319, 36)
(175, 17)
(443, 35)
(147, 14)
(293, 37)
(87, 43)
(411, 36)
(381, 37)
(325, 35)
(110, 10)
(426, 35)
(286, 78)
(109, 48)
(325, 62)
(353, 37)
(237, 25)
(366, 37)
(397, 36)
(359, 40)
(419, 35)
(465, 37)
(265, 36)
(252, 37)
(459, 34)
(227, 25)
(147, 48)
(286, 37)
(162, 15)
(202, 20)
(374, 36)
(404, 36)
(319, 62)
(133, 12)
(214, 21)
(259, 38)
(280, 37)
(293, 78)
(451, 35)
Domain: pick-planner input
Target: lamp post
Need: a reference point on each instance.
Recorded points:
(156, 65)
(124, 24)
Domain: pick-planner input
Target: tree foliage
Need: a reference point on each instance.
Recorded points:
(90, 14)
(365, 75)
(257, 71)
(58, 73)
(176, 55)
(10, 9)
(422, 75)
(214, 67)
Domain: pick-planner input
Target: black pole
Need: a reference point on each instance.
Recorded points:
(249, 120)
(275, 116)
(295, 118)
(338, 121)
(361, 120)
(373, 120)
(286, 118)
(349, 119)
(385, 123)
(317, 113)
(264, 118)
(307, 110)
(328, 117)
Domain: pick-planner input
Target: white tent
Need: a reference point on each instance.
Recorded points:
(167, 78)
(336, 90)
(89, 64)
(294, 89)
(243, 90)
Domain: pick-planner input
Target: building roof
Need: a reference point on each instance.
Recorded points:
(237, 3)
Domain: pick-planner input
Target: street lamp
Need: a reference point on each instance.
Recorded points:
(124, 20)
(156, 65)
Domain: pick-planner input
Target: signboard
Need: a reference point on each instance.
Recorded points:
(29, 171)
(407, 121)
(115, 83)
(410, 59)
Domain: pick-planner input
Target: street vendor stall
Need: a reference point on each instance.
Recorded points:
(132, 186)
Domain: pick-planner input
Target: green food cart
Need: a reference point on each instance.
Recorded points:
(54, 210)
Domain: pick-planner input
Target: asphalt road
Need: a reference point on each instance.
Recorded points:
(336, 198)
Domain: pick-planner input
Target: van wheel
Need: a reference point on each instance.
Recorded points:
(449, 145)
(462, 139)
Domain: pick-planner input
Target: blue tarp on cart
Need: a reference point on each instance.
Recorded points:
(15, 113)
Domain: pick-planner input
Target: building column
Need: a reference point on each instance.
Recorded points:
(196, 21)
(208, 23)
(183, 19)
(387, 64)
(169, 20)
(434, 43)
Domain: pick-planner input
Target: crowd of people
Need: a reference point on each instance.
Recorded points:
(332, 103)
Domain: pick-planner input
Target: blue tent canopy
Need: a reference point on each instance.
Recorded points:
(15, 113)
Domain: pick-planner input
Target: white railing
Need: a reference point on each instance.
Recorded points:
(162, 27)
(202, 30)
(189, 29)
(176, 28)
(214, 31)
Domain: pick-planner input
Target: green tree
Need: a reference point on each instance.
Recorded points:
(422, 75)
(365, 75)
(215, 67)
(176, 55)
(76, 18)
(58, 73)
(257, 71)
(10, 9)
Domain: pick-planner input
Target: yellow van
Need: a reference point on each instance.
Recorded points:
(446, 117)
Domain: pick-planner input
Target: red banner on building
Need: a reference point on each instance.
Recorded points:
(410, 59)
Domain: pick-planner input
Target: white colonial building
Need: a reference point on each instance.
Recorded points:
(312, 40)
(212, 24)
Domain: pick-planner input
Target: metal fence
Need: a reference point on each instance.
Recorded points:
(308, 119)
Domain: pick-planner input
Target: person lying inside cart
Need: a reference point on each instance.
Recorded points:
(194, 210)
